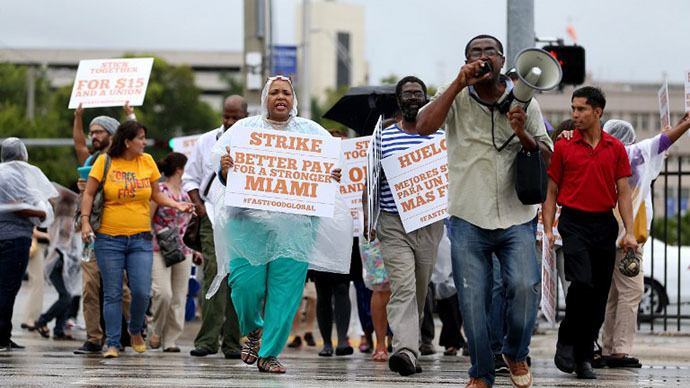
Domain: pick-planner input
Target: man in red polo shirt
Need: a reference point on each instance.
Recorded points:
(587, 175)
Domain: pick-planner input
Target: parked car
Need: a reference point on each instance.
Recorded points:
(660, 291)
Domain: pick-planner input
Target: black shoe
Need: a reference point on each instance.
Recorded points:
(599, 362)
(14, 345)
(309, 339)
(28, 327)
(5, 348)
(426, 349)
(564, 359)
(418, 368)
(200, 352)
(327, 351)
(465, 350)
(344, 351)
(500, 365)
(89, 348)
(623, 362)
(400, 362)
(296, 343)
(584, 371)
(233, 355)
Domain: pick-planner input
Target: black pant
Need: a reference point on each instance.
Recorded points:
(60, 309)
(589, 248)
(332, 288)
(427, 328)
(449, 313)
(14, 257)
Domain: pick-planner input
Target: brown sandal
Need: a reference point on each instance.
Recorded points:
(270, 364)
(250, 349)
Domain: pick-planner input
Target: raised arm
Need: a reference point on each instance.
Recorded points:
(676, 132)
(78, 136)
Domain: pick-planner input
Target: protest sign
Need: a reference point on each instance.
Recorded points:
(687, 91)
(664, 111)
(184, 144)
(418, 178)
(548, 283)
(374, 176)
(540, 226)
(354, 155)
(111, 82)
(282, 171)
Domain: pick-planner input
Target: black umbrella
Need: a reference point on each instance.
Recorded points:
(361, 106)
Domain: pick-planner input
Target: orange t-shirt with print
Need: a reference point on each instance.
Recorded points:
(127, 192)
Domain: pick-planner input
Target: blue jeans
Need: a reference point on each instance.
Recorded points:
(114, 255)
(471, 251)
(14, 256)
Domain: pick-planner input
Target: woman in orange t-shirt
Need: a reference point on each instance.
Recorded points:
(123, 241)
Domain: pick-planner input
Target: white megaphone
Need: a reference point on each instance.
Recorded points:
(536, 70)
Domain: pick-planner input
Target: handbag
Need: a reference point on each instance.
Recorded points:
(192, 236)
(98, 201)
(531, 180)
(169, 245)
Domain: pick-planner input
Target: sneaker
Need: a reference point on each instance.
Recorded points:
(622, 362)
(500, 366)
(89, 348)
(520, 376)
(5, 348)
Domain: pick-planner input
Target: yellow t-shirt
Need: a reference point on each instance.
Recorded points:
(127, 193)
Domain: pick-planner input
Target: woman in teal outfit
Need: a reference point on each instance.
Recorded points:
(269, 252)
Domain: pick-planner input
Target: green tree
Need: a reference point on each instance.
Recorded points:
(672, 229)
(318, 110)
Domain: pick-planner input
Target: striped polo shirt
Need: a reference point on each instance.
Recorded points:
(393, 141)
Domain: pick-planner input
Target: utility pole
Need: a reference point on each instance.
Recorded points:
(520, 30)
(30, 92)
(304, 68)
(254, 70)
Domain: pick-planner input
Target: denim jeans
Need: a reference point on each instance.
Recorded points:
(114, 255)
(60, 309)
(471, 253)
(14, 257)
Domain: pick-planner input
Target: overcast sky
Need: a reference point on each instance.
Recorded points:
(625, 40)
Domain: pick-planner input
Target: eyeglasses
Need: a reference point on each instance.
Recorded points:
(490, 52)
(96, 132)
(417, 94)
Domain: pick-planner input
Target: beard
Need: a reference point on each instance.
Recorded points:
(100, 145)
(409, 113)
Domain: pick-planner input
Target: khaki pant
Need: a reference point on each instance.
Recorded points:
(91, 298)
(169, 288)
(409, 259)
(34, 302)
(621, 309)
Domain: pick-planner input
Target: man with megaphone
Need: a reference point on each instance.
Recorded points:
(487, 216)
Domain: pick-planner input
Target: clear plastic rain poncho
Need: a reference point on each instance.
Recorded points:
(23, 186)
(646, 162)
(65, 241)
(261, 236)
(442, 276)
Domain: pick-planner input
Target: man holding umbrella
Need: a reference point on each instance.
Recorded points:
(409, 258)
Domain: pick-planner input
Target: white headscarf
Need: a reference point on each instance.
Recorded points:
(264, 95)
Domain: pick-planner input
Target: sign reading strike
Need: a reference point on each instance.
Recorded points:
(282, 171)
(352, 184)
(418, 178)
(111, 82)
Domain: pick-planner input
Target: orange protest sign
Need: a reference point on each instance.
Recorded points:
(111, 82)
(283, 171)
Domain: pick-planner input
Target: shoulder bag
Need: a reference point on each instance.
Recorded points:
(98, 201)
(192, 237)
